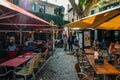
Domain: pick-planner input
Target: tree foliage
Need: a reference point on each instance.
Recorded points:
(59, 11)
(48, 17)
(82, 7)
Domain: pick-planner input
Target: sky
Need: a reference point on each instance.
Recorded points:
(59, 2)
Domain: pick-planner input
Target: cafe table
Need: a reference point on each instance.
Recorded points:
(17, 61)
(89, 51)
(104, 69)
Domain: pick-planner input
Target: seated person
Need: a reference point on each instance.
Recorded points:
(29, 47)
(95, 44)
(43, 49)
(117, 45)
(112, 50)
(37, 49)
(102, 44)
(12, 47)
(12, 50)
(113, 53)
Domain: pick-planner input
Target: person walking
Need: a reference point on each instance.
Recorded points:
(70, 42)
(65, 43)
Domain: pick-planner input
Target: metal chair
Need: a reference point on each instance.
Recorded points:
(45, 56)
(37, 63)
(25, 71)
(117, 77)
(4, 72)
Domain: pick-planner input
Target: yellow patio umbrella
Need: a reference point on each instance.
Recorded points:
(95, 20)
(112, 24)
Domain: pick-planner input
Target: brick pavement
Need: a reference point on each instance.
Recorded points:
(60, 67)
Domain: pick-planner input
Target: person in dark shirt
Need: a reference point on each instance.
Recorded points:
(12, 46)
(70, 42)
(29, 47)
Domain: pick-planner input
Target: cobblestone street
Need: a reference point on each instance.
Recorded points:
(60, 67)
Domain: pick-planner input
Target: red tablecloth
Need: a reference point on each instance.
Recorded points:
(15, 62)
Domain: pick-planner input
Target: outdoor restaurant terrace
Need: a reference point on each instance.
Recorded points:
(14, 52)
(94, 62)
(96, 59)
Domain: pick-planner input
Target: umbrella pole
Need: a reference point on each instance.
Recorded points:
(20, 36)
(32, 36)
(53, 40)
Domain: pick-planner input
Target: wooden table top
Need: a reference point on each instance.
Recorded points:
(105, 68)
(89, 51)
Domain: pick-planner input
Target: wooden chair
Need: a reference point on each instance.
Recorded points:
(25, 71)
(81, 58)
(80, 75)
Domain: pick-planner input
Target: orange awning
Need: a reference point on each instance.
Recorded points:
(108, 19)
(112, 24)
(78, 24)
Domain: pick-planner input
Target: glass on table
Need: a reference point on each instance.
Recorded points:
(20, 56)
(31, 52)
(96, 55)
(23, 56)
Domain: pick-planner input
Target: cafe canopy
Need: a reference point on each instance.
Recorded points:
(11, 14)
(47, 29)
(108, 20)
(16, 19)
(112, 24)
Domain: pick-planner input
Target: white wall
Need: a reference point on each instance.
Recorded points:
(49, 10)
(26, 4)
